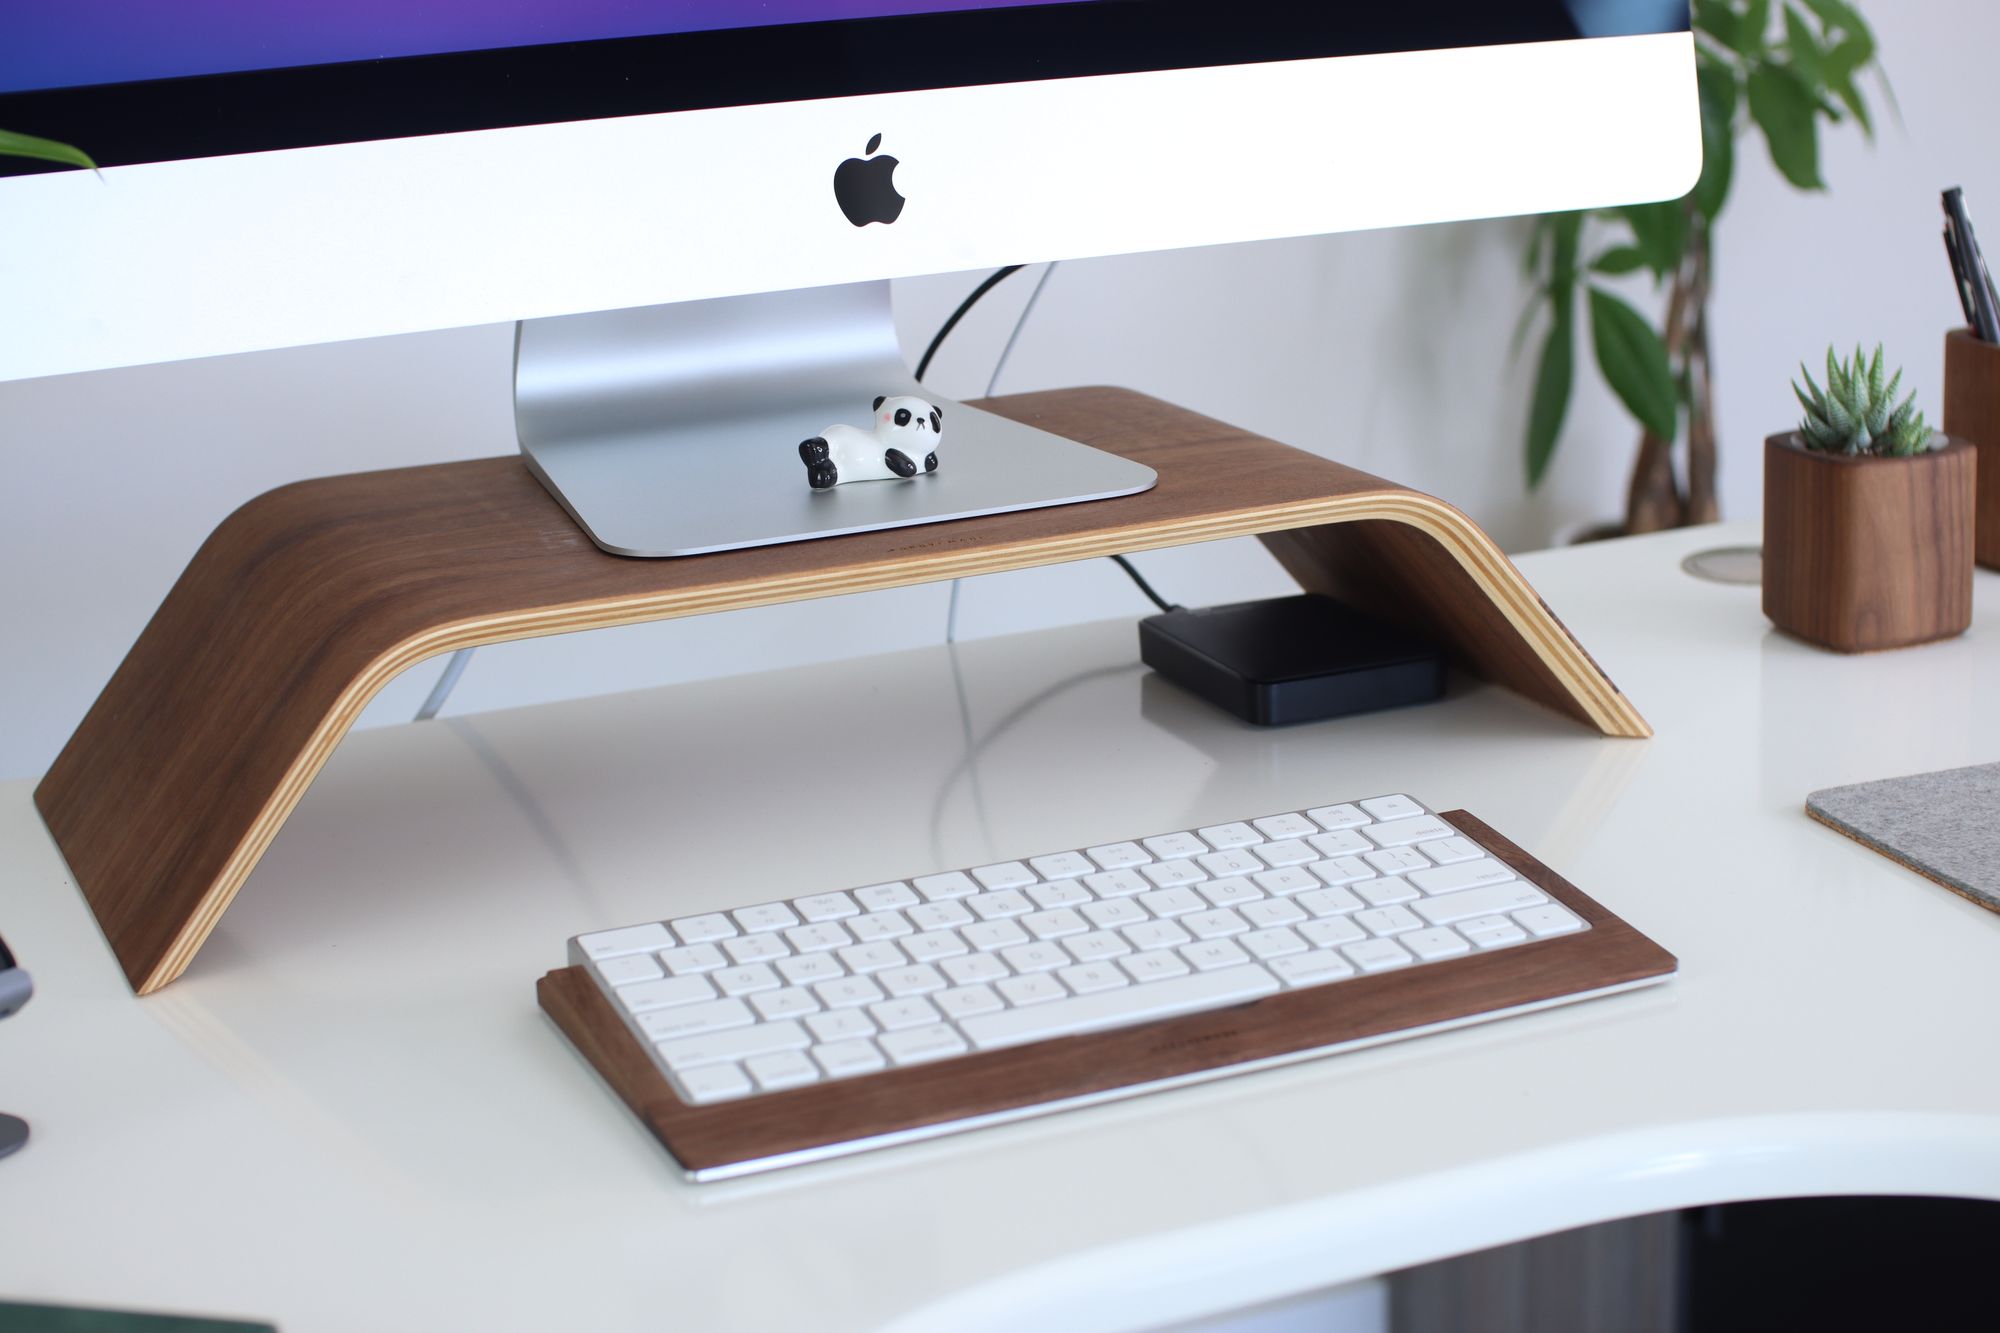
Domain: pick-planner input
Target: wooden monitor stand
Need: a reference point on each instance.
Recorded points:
(311, 597)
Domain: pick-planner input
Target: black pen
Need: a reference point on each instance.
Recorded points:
(1958, 279)
(1984, 302)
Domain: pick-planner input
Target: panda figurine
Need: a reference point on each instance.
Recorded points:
(903, 443)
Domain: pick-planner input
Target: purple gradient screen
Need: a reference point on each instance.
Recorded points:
(65, 43)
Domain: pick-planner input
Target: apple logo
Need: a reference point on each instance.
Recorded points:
(865, 187)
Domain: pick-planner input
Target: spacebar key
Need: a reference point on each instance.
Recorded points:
(1117, 1008)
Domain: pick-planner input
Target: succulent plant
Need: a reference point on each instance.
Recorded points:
(1858, 412)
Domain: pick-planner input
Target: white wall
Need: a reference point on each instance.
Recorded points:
(1386, 350)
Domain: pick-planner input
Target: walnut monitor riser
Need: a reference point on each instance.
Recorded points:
(311, 597)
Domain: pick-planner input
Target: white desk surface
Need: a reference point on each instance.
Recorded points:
(350, 1113)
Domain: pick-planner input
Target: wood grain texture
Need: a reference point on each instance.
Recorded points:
(1862, 554)
(305, 601)
(1972, 412)
(721, 1134)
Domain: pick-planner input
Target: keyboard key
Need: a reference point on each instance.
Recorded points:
(863, 958)
(1437, 942)
(846, 992)
(704, 929)
(998, 906)
(840, 1059)
(825, 907)
(1331, 931)
(735, 1044)
(1382, 892)
(1036, 957)
(648, 938)
(1286, 852)
(1116, 912)
(1452, 850)
(1377, 955)
(1387, 920)
(1063, 865)
(1054, 925)
(1096, 945)
(965, 1001)
(1291, 879)
(896, 1015)
(1005, 875)
(973, 968)
(1088, 978)
(624, 969)
(1335, 817)
(1062, 893)
(882, 897)
(1392, 807)
(920, 1044)
(778, 1070)
(1214, 925)
(1037, 988)
(1222, 837)
(1172, 902)
(1235, 861)
(818, 937)
(687, 1020)
(1494, 898)
(692, 958)
(1273, 943)
(1284, 826)
(1154, 935)
(1492, 932)
(1115, 1008)
(874, 926)
(809, 968)
(1312, 967)
(1268, 912)
(790, 1002)
(953, 884)
(643, 996)
(933, 945)
(1342, 842)
(841, 1024)
(1173, 846)
(1171, 874)
(1403, 832)
(1117, 883)
(989, 936)
(742, 980)
(1236, 890)
(939, 916)
(1549, 919)
(1464, 875)
(712, 1083)
(1118, 855)
(1209, 955)
(765, 917)
(755, 948)
(1342, 870)
(1396, 860)
(917, 979)
(1329, 902)
(1154, 966)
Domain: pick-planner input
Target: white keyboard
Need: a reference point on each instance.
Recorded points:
(842, 985)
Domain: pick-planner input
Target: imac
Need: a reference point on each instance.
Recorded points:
(693, 207)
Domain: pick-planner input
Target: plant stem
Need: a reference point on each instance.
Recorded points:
(1702, 506)
(1653, 499)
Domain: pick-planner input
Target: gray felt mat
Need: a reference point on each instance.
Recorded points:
(1943, 825)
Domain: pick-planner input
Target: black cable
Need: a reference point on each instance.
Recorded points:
(1144, 586)
(993, 280)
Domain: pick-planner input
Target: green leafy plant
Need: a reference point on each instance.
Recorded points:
(1857, 412)
(44, 150)
(1783, 66)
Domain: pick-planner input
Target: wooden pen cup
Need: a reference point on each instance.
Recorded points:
(1972, 412)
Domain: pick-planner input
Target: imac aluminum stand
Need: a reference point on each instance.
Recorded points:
(674, 430)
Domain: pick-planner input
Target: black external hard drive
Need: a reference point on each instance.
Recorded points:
(1291, 659)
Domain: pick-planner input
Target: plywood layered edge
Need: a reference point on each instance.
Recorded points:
(304, 603)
